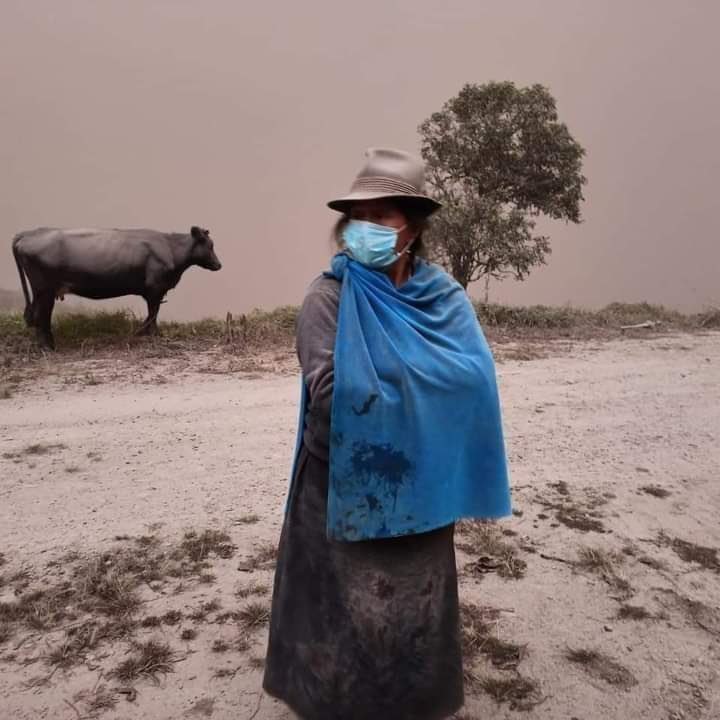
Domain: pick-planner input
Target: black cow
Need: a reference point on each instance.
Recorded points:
(101, 264)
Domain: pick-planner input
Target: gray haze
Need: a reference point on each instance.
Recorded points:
(246, 117)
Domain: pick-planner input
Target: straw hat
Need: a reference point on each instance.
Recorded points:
(388, 173)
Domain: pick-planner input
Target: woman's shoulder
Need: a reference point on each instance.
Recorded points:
(324, 284)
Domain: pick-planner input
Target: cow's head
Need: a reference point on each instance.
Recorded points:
(203, 253)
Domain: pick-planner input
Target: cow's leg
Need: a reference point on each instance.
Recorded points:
(43, 307)
(29, 314)
(149, 327)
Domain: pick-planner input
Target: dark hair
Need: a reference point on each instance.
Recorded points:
(415, 213)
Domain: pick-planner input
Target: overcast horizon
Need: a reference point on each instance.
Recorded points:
(247, 119)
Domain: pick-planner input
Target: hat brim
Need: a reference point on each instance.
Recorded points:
(343, 204)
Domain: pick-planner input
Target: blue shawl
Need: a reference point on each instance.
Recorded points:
(416, 436)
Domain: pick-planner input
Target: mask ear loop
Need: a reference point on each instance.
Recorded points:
(408, 247)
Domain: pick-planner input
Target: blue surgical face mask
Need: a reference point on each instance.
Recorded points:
(372, 245)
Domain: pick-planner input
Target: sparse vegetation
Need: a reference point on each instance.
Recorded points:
(606, 564)
(201, 613)
(633, 612)
(655, 491)
(98, 700)
(602, 666)
(254, 615)
(263, 559)
(519, 692)
(101, 594)
(706, 557)
(147, 659)
(199, 546)
(172, 617)
(576, 518)
(486, 540)
(100, 333)
(35, 449)
(252, 588)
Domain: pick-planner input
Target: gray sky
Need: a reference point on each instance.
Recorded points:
(247, 117)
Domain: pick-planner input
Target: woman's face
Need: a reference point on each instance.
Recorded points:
(383, 212)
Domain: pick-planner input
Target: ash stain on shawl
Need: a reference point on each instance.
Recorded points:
(365, 409)
(390, 466)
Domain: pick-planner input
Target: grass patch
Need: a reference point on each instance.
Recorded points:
(172, 617)
(98, 700)
(35, 450)
(243, 642)
(706, 557)
(577, 519)
(6, 632)
(604, 563)
(103, 332)
(106, 589)
(253, 616)
(486, 540)
(249, 519)
(598, 560)
(655, 491)
(519, 692)
(567, 321)
(633, 612)
(477, 639)
(263, 559)
(699, 613)
(188, 634)
(148, 659)
(219, 646)
(81, 639)
(199, 546)
(202, 612)
(252, 588)
(601, 666)
(561, 488)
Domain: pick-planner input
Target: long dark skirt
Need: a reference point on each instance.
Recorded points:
(361, 630)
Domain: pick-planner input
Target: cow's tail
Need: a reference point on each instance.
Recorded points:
(23, 281)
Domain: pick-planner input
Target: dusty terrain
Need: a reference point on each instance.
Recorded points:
(599, 599)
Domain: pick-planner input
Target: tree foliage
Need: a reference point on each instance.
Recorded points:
(497, 157)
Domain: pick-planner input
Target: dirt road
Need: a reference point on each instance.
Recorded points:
(615, 460)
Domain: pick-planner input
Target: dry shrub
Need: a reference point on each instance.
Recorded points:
(199, 546)
(147, 659)
(254, 615)
(519, 692)
(486, 540)
(604, 563)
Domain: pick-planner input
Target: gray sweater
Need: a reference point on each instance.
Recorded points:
(315, 339)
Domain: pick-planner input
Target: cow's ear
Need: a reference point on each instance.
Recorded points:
(199, 233)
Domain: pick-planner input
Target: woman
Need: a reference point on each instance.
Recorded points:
(400, 436)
